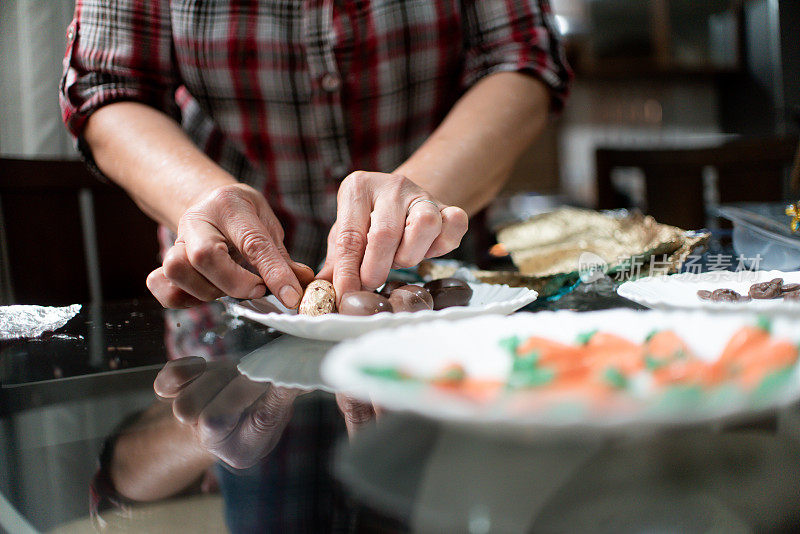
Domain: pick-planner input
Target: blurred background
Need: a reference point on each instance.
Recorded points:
(677, 106)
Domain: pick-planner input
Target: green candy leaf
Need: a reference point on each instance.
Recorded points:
(526, 378)
(613, 376)
(774, 381)
(584, 337)
(526, 362)
(764, 323)
(510, 344)
(652, 363)
(386, 373)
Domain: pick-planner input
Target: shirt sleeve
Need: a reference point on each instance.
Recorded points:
(515, 36)
(117, 50)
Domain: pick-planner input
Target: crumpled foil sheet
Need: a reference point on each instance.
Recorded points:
(23, 321)
(547, 249)
(552, 243)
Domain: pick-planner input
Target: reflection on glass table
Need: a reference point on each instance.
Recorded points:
(91, 414)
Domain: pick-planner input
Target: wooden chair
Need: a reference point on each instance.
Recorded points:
(747, 169)
(67, 237)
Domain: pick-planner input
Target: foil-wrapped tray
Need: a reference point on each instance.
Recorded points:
(552, 251)
(553, 243)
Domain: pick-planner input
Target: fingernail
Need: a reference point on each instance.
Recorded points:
(257, 292)
(304, 266)
(289, 296)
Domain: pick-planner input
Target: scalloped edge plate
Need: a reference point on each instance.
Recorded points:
(474, 343)
(487, 299)
(679, 291)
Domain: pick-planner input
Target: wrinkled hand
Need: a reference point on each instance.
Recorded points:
(356, 413)
(236, 419)
(386, 221)
(233, 222)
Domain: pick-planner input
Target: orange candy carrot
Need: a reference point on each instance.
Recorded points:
(605, 350)
(666, 345)
(757, 364)
(746, 339)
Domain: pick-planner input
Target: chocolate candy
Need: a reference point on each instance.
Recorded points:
(766, 290)
(448, 292)
(790, 288)
(773, 289)
(727, 295)
(410, 299)
(421, 292)
(364, 303)
(390, 286)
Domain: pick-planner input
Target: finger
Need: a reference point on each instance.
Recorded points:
(260, 429)
(385, 232)
(326, 273)
(167, 293)
(350, 242)
(180, 271)
(304, 273)
(177, 374)
(256, 243)
(357, 414)
(207, 253)
(190, 402)
(454, 226)
(220, 416)
(423, 225)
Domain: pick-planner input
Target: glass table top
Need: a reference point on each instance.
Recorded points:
(96, 433)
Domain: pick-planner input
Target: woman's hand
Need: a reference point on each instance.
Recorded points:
(236, 419)
(232, 222)
(386, 221)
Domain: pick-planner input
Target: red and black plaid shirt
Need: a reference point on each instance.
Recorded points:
(289, 96)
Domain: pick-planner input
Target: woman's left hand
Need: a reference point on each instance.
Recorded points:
(386, 221)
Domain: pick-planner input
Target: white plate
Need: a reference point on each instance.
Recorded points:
(486, 299)
(424, 350)
(679, 291)
(289, 362)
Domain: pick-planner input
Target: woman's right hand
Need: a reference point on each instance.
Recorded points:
(233, 221)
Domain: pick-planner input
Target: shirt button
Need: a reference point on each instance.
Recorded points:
(339, 170)
(70, 33)
(331, 82)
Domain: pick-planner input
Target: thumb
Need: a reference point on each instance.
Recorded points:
(177, 374)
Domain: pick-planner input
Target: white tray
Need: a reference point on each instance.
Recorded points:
(679, 291)
(487, 299)
(423, 350)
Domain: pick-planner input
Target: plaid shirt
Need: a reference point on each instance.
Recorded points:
(290, 96)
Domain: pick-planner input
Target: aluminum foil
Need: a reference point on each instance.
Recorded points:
(23, 321)
(553, 243)
(548, 249)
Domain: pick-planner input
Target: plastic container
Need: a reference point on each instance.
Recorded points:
(761, 235)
